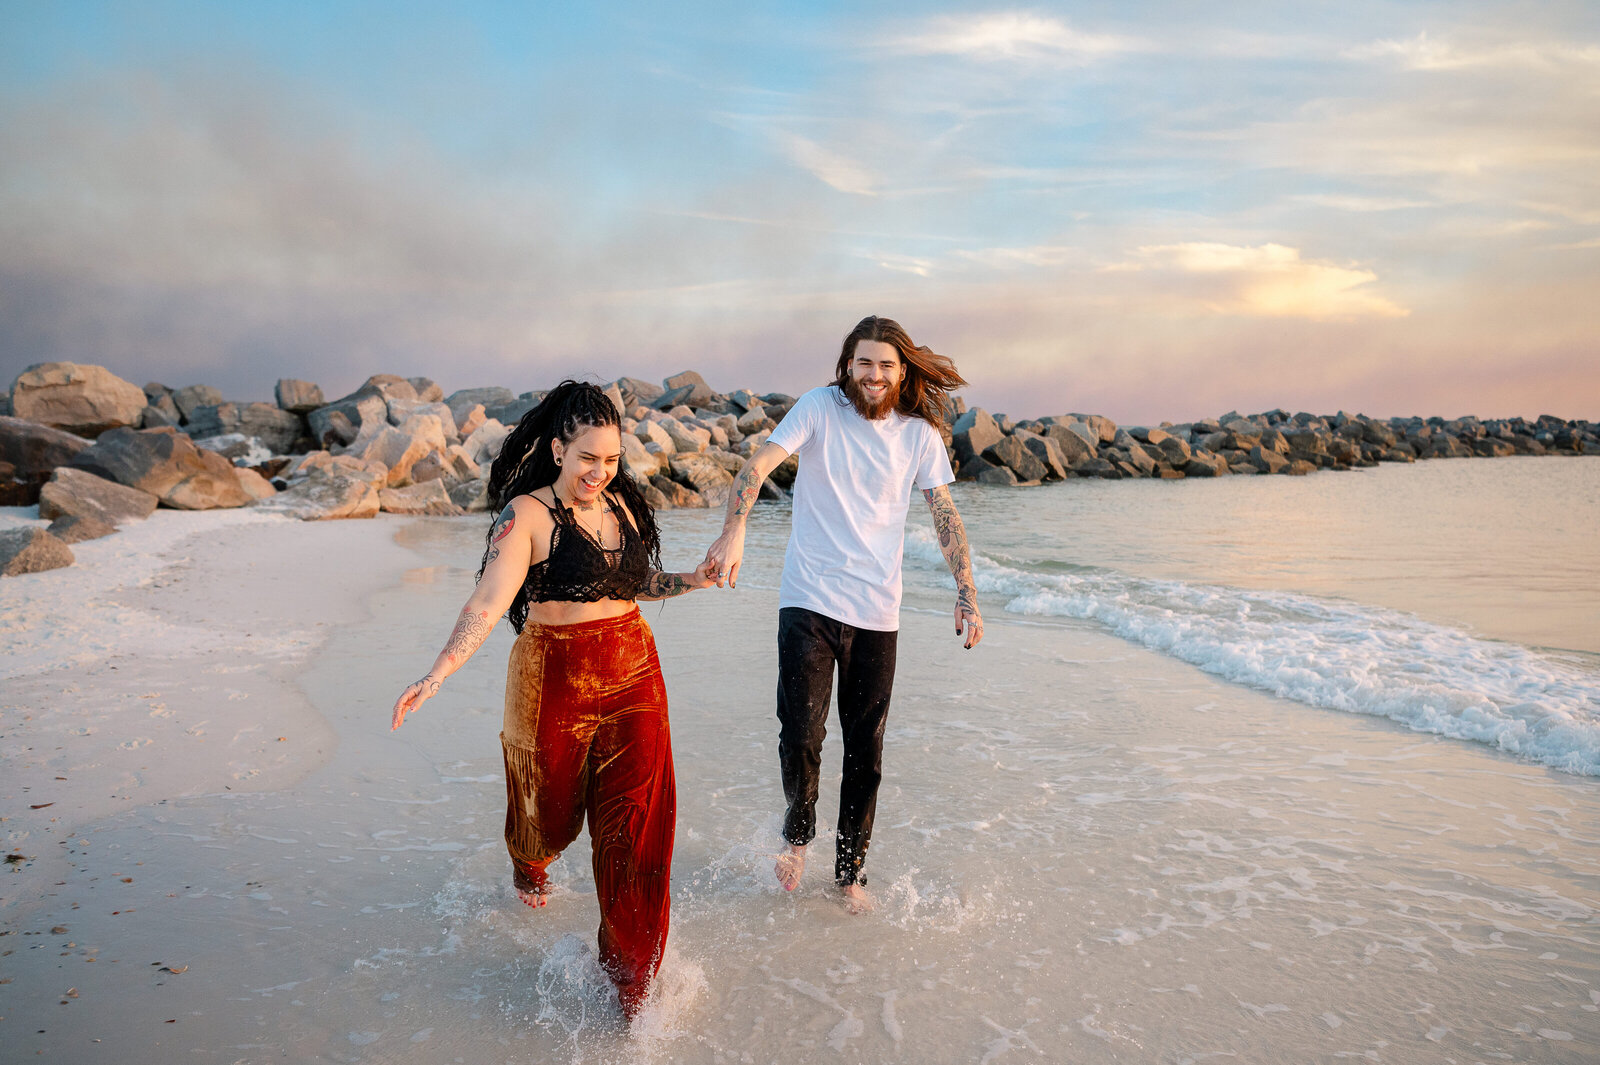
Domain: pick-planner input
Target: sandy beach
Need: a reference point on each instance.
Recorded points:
(1086, 851)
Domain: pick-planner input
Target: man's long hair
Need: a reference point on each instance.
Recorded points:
(527, 461)
(929, 377)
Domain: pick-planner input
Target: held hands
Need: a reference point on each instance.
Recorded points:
(703, 575)
(413, 697)
(723, 559)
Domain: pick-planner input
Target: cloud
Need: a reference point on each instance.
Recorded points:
(1014, 35)
(1267, 281)
(827, 166)
(1362, 204)
(1426, 53)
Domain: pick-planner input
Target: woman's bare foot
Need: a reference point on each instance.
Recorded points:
(534, 897)
(790, 866)
(856, 899)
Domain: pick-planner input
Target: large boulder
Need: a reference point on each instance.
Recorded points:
(275, 427)
(76, 528)
(686, 437)
(705, 475)
(1267, 460)
(636, 392)
(81, 399)
(427, 390)
(484, 445)
(430, 497)
(463, 400)
(512, 412)
(641, 463)
(397, 449)
(31, 550)
(471, 496)
(298, 397)
(1203, 463)
(345, 420)
(1072, 439)
(166, 464)
(687, 388)
(676, 494)
(1046, 451)
(73, 491)
(33, 450)
(974, 433)
(327, 493)
(191, 397)
(1011, 453)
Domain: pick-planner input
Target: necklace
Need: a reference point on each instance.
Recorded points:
(596, 533)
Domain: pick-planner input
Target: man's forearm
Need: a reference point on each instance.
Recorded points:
(742, 497)
(952, 535)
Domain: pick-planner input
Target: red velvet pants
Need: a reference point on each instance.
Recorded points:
(586, 734)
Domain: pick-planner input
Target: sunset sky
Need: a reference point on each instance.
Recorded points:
(1147, 210)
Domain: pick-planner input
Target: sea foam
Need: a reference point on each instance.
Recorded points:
(1327, 653)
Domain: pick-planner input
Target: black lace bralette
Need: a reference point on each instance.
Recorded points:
(580, 570)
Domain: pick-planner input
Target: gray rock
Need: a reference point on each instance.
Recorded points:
(34, 450)
(427, 391)
(400, 410)
(278, 429)
(1046, 451)
(1267, 460)
(704, 475)
(676, 494)
(699, 392)
(973, 434)
(1300, 467)
(155, 417)
(1140, 458)
(1071, 442)
(1001, 475)
(1097, 467)
(84, 400)
(76, 528)
(31, 550)
(471, 496)
(188, 398)
(511, 413)
(166, 464)
(639, 392)
(1203, 463)
(430, 497)
(461, 402)
(483, 446)
(615, 395)
(1011, 453)
(388, 385)
(298, 397)
(746, 399)
(74, 492)
(754, 421)
(351, 415)
(327, 494)
(154, 390)
(1488, 447)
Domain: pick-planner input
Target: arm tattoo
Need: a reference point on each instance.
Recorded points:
(502, 528)
(953, 543)
(746, 487)
(665, 585)
(470, 632)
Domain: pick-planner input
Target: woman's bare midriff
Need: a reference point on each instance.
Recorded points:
(560, 612)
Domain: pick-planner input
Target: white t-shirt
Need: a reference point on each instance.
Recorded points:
(850, 502)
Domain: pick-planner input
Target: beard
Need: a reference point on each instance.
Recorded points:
(866, 406)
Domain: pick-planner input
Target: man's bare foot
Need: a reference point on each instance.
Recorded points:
(790, 866)
(534, 897)
(856, 899)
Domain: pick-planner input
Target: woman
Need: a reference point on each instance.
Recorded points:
(585, 731)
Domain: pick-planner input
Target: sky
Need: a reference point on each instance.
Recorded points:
(1148, 210)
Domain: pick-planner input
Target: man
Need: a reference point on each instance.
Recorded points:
(864, 443)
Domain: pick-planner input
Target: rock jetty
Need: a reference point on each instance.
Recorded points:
(95, 451)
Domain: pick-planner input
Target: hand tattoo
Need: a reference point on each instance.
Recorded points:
(430, 685)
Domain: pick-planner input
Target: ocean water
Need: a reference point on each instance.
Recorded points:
(1461, 599)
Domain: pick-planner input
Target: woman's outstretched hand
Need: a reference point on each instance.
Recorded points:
(417, 693)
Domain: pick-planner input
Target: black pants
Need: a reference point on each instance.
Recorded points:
(810, 646)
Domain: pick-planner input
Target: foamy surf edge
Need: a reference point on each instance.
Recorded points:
(1328, 653)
